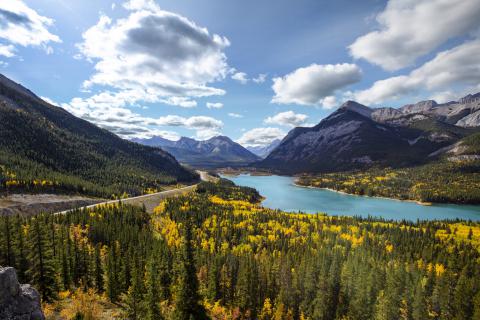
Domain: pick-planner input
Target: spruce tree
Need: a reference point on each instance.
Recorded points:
(187, 299)
(42, 270)
(152, 296)
(20, 250)
(134, 297)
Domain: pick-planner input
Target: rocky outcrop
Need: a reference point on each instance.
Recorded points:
(18, 301)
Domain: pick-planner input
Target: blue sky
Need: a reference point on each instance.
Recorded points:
(251, 70)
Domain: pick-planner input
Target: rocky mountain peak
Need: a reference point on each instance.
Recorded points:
(357, 107)
(419, 107)
(470, 98)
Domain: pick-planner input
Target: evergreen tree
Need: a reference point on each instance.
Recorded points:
(21, 250)
(98, 269)
(187, 299)
(420, 310)
(152, 296)
(134, 297)
(42, 270)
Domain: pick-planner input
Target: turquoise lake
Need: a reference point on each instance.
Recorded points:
(281, 193)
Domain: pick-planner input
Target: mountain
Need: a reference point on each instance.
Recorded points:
(264, 151)
(218, 151)
(356, 136)
(41, 142)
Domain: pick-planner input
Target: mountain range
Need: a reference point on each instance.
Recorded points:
(356, 136)
(218, 151)
(39, 141)
(264, 151)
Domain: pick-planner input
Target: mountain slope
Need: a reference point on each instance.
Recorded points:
(39, 141)
(356, 136)
(264, 151)
(218, 151)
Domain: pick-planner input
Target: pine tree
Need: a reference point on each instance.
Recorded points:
(134, 297)
(98, 268)
(463, 297)
(187, 299)
(152, 296)
(420, 311)
(42, 264)
(21, 250)
(7, 243)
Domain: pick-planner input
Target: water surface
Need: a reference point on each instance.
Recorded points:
(281, 193)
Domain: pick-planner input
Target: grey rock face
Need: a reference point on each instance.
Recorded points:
(18, 302)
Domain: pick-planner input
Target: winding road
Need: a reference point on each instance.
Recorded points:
(152, 200)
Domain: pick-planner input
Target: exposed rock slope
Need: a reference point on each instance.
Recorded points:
(18, 301)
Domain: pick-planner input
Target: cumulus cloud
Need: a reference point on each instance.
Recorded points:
(240, 77)
(287, 118)
(155, 56)
(7, 50)
(149, 56)
(410, 29)
(260, 78)
(454, 68)
(235, 115)
(23, 26)
(214, 105)
(107, 111)
(260, 137)
(313, 84)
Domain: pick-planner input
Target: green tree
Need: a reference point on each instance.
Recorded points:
(187, 299)
(42, 270)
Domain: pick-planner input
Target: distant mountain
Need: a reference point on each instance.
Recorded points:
(264, 151)
(39, 141)
(218, 151)
(356, 136)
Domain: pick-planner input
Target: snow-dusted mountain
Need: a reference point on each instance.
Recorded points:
(264, 151)
(218, 151)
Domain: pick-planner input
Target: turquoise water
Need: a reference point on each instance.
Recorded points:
(281, 193)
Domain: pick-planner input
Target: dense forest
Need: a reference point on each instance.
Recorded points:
(218, 254)
(443, 182)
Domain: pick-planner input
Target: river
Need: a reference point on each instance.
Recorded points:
(281, 193)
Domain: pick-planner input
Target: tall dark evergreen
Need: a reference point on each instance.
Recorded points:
(187, 299)
(42, 271)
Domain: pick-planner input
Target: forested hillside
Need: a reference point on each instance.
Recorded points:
(45, 148)
(441, 182)
(215, 255)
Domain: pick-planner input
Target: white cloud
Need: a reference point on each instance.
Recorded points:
(409, 29)
(456, 68)
(329, 102)
(214, 105)
(288, 118)
(155, 56)
(7, 50)
(107, 111)
(260, 78)
(235, 115)
(52, 102)
(23, 26)
(312, 84)
(240, 77)
(260, 137)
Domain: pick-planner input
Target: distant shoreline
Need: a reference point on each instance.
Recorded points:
(359, 195)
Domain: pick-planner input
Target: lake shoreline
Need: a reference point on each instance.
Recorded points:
(281, 192)
(295, 179)
(426, 204)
